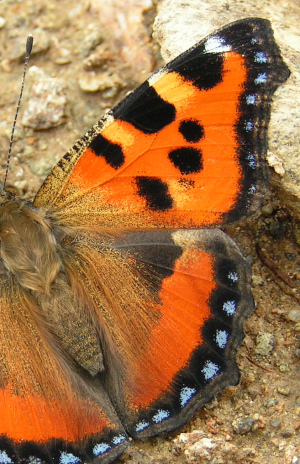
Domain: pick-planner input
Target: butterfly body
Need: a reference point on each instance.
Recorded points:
(120, 315)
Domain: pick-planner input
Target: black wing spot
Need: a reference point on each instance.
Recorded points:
(156, 193)
(112, 152)
(188, 160)
(191, 130)
(149, 112)
(205, 70)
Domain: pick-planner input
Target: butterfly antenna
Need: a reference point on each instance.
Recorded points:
(29, 44)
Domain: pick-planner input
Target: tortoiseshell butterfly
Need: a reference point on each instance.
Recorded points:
(122, 306)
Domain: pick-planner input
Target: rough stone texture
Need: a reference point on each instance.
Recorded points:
(127, 25)
(47, 104)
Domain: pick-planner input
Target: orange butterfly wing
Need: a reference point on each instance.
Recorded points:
(203, 286)
(186, 149)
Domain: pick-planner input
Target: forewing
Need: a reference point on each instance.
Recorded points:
(186, 149)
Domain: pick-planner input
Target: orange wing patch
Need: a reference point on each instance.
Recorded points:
(34, 418)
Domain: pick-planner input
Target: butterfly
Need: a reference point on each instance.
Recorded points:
(122, 303)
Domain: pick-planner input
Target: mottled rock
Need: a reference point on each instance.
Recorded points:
(47, 103)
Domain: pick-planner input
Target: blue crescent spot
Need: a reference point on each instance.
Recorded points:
(161, 415)
(210, 370)
(186, 394)
(101, 448)
(68, 458)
